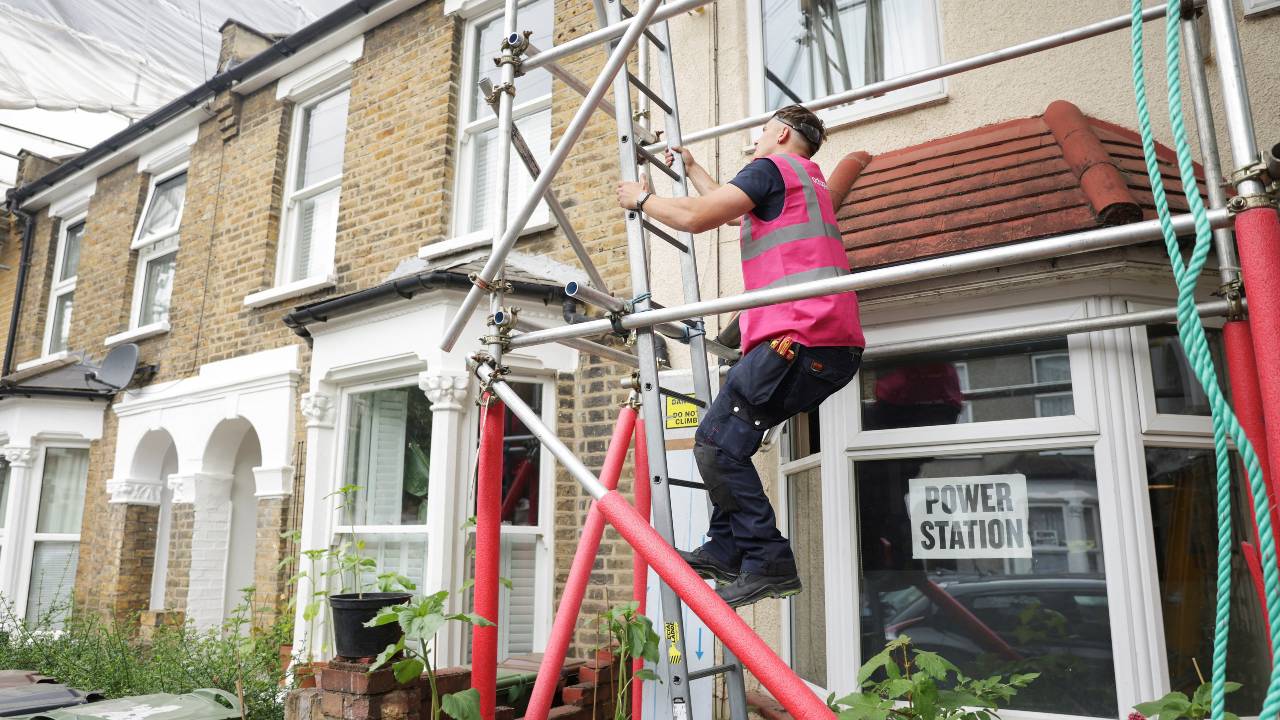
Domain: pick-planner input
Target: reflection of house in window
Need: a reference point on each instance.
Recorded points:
(1064, 535)
(1052, 369)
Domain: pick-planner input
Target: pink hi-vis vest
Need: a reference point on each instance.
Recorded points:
(799, 245)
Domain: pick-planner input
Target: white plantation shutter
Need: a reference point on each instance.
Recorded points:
(519, 564)
(536, 128)
(404, 554)
(385, 488)
(53, 573)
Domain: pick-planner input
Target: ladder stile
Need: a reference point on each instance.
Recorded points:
(735, 683)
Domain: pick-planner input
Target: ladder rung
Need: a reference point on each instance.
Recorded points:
(656, 162)
(686, 484)
(652, 38)
(713, 670)
(665, 236)
(642, 87)
(681, 396)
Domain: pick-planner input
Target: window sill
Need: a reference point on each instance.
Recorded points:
(138, 333)
(298, 288)
(474, 240)
(51, 360)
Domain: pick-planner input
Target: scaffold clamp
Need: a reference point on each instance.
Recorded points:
(513, 49)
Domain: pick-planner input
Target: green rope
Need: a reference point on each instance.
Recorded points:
(1191, 333)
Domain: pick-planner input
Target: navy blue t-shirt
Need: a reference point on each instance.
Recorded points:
(762, 182)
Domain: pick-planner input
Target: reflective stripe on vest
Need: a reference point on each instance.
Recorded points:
(805, 276)
(814, 227)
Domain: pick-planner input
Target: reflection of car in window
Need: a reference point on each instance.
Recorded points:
(1057, 626)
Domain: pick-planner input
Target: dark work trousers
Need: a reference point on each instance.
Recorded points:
(762, 390)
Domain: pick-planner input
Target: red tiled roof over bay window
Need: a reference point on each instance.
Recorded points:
(1055, 173)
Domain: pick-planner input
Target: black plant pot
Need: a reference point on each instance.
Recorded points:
(351, 611)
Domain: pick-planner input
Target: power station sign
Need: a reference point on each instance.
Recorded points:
(969, 517)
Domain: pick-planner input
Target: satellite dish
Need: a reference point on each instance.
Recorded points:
(117, 367)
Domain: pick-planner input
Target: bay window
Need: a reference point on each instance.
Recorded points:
(313, 187)
(809, 49)
(62, 294)
(157, 242)
(55, 546)
(477, 186)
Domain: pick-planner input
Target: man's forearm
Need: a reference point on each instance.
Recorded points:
(676, 213)
(701, 179)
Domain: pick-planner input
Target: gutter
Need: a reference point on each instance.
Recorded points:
(20, 391)
(280, 50)
(28, 231)
(404, 288)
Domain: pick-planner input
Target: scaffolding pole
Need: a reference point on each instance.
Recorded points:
(1075, 243)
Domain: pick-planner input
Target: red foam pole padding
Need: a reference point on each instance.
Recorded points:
(780, 680)
(544, 688)
(484, 640)
(1253, 561)
(1258, 237)
(639, 568)
(1246, 398)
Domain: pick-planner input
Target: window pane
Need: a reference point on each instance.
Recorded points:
(317, 219)
(53, 574)
(517, 563)
(405, 554)
(535, 16)
(801, 436)
(324, 129)
(808, 609)
(819, 47)
(157, 289)
(521, 458)
(987, 610)
(165, 212)
(536, 129)
(388, 457)
(71, 251)
(981, 385)
(1182, 486)
(1177, 390)
(60, 334)
(66, 470)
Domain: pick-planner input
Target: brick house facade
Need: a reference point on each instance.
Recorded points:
(194, 477)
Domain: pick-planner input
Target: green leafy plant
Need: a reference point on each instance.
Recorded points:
(410, 656)
(348, 560)
(106, 653)
(922, 685)
(1177, 705)
(632, 637)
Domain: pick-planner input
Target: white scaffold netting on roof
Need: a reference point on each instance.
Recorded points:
(124, 56)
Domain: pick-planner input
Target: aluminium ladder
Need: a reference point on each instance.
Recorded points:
(672, 666)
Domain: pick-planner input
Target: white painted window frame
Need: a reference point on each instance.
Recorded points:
(469, 129)
(544, 572)
(294, 197)
(57, 287)
(1259, 7)
(149, 249)
(1153, 421)
(1106, 385)
(30, 499)
(840, 116)
(451, 539)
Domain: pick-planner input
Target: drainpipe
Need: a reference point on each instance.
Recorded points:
(28, 230)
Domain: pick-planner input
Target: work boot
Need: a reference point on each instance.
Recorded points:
(751, 588)
(708, 566)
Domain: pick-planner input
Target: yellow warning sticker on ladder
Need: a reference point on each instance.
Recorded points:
(681, 414)
(673, 642)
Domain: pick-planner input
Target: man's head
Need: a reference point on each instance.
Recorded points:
(791, 129)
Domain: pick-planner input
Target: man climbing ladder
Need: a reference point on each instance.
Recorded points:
(794, 355)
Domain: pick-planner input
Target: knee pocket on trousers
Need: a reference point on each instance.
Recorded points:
(712, 476)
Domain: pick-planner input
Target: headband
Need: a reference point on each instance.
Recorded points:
(810, 133)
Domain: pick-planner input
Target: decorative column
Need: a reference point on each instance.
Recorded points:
(210, 538)
(446, 495)
(20, 459)
(131, 491)
(317, 410)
